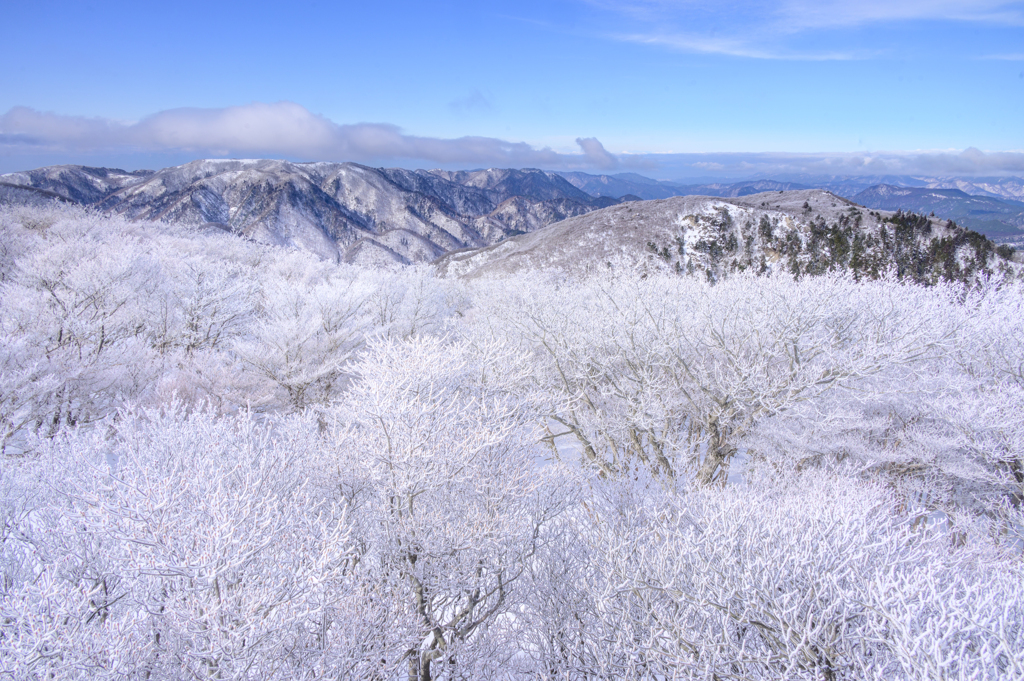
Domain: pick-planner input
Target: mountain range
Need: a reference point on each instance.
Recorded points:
(1011, 188)
(991, 216)
(645, 188)
(381, 216)
(343, 211)
(991, 206)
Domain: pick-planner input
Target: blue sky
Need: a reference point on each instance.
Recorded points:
(665, 88)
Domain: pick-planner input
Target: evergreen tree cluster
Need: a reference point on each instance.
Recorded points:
(915, 248)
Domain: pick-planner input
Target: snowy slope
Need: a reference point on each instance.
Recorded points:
(80, 184)
(341, 211)
(803, 232)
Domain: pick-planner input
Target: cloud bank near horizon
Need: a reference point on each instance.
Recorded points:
(288, 130)
(281, 129)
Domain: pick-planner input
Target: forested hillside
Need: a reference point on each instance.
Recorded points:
(806, 232)
(222, 459)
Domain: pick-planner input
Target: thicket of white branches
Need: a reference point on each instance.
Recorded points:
(227, 461)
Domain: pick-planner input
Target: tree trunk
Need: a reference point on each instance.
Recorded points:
(715, 467)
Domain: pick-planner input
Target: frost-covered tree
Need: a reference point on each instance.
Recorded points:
(74, 341)
(303, 341)
(821, 580)
(453, 496)
(675, 371)
(177, 546)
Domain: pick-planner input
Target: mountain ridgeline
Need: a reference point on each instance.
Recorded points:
(500, 220)
(803, 232)
(344, 211)
(991, 206)
(995, 217)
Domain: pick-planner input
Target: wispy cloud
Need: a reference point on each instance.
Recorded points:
(281, 129)
(742, 28)
(802, 14)
(733, 47)
(808, 14)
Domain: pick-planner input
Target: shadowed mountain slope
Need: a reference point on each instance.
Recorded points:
(991, 216)
(373, 216)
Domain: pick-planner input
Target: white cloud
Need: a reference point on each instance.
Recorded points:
(288, 130)
(819, 13)
(280, 129)
(596, 153)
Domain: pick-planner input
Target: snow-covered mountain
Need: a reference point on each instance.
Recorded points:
(994, 217)
(621, 184)
(338, 210)
(989, 205)
(998, 187)
(377, 216)
(80, 184)
(802, 232)
(23, 195)
(1008, 187)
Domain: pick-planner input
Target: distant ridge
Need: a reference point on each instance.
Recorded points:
(991, 216)
(342, 211)
(31, 196)
(992, 206)
(382, 216)
(646, 188)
